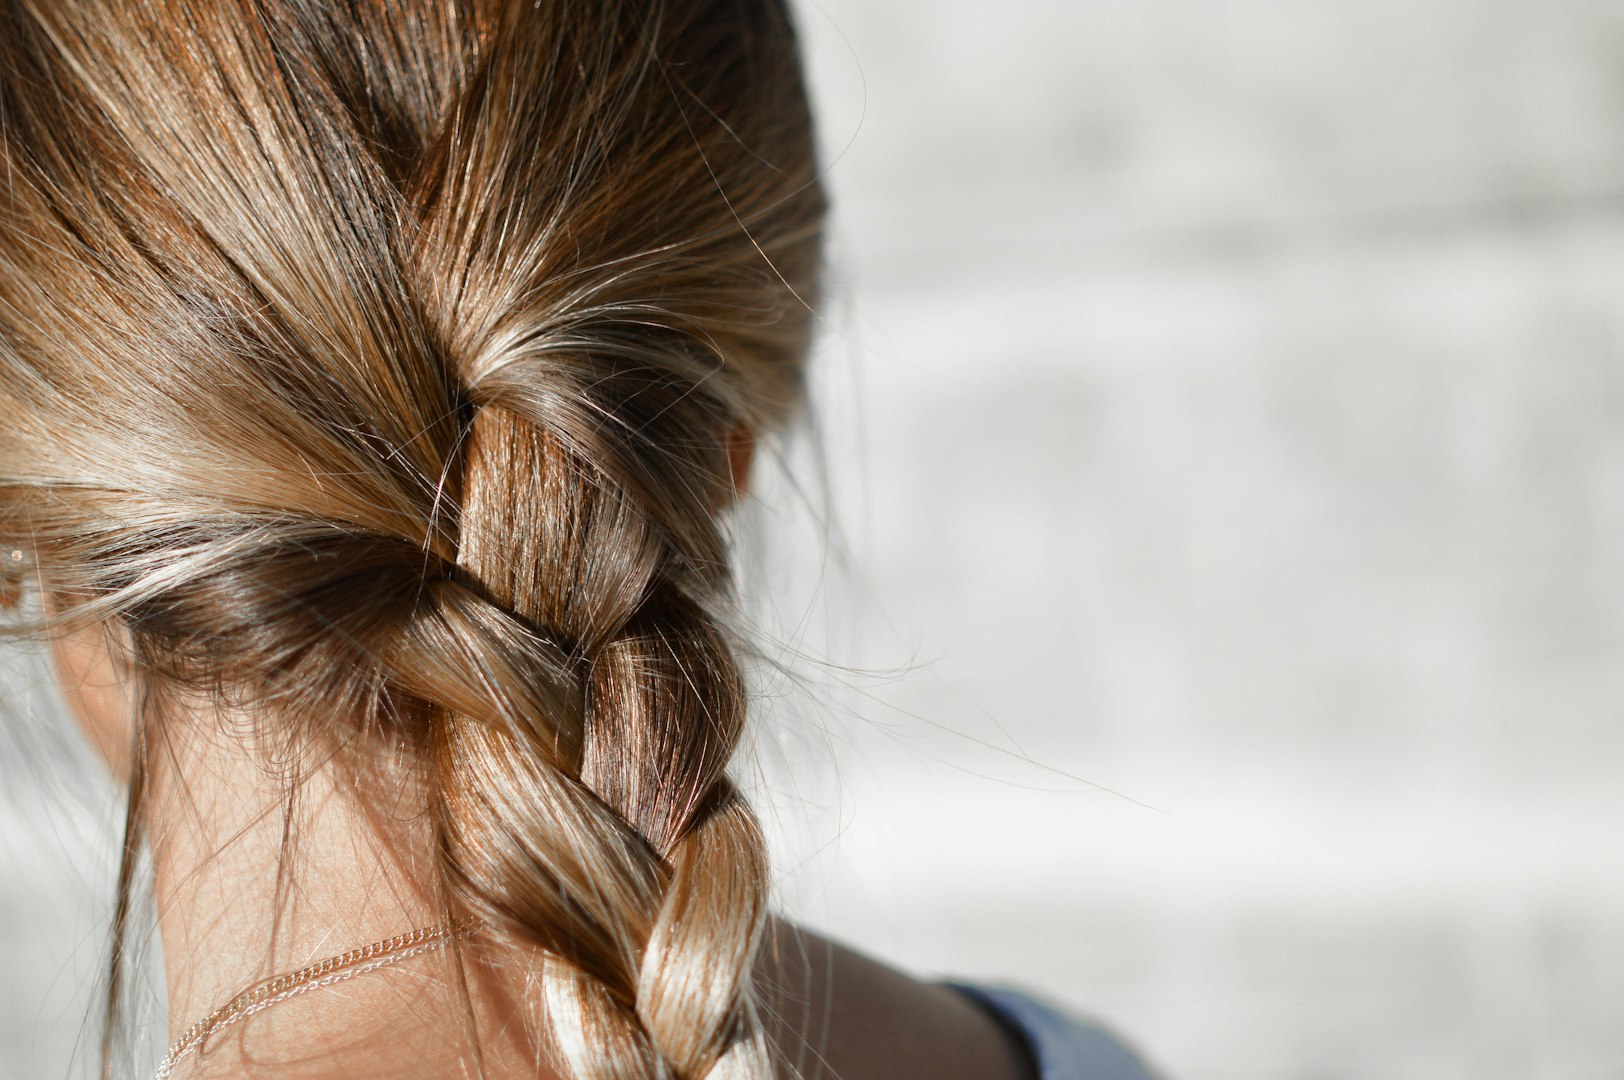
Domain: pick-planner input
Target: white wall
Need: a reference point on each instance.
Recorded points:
(1241, 391)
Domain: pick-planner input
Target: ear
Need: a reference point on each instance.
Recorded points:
(98, 689)
(741, 451)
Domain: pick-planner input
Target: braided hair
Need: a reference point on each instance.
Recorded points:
(374, 366)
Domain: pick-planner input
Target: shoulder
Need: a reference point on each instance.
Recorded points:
(835, 1013)
(1062, 1046)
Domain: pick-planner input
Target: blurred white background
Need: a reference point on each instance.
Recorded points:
(1224, 407)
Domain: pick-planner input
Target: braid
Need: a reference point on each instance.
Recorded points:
(386, 371)
(650, 879)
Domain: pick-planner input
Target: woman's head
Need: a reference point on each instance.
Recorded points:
(378, 371)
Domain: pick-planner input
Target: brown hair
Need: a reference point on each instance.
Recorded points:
(373, 366)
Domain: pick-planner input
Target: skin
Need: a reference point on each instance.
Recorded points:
(233, 910)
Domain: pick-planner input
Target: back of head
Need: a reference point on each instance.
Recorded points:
(373, 367)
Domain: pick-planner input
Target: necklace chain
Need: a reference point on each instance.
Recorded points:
(314, 976)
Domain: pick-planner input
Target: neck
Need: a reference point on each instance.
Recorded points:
(253, 882)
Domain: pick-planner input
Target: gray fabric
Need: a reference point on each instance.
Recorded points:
(1063, 1047)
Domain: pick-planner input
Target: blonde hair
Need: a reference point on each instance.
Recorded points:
(374, 366)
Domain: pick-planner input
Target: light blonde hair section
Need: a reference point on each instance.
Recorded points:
(373, 366)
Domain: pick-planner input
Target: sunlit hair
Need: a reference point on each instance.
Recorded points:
(372, 367)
